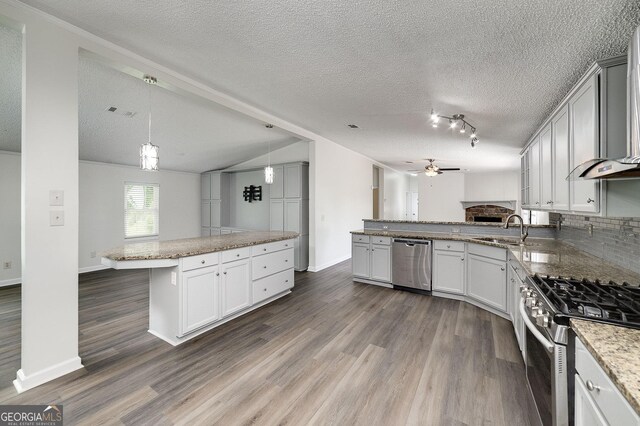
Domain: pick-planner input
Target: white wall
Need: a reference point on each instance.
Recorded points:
(440, 197)
(243, 214)
(340, 188)
(298, 151)
(495, 186)
(396, 186)
(10, 217)
(102, 206)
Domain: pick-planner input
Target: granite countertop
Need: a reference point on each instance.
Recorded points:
(493, 224)
(175, 249)
(617, 350)
(543, 256)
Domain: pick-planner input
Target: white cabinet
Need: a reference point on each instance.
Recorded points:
(534, 174)
(293, 215)
(514, 282)
(597, 399)
(296, 180)
(235, 286)
(448, 271)
(546, 169)
(277, 187)
(276, 215)
(216, 219)
(487, 281)
(360, 260)
(380, 262)
(200, 305)
(560, 157)
(205, 214)
(205, 186)
(583, 121)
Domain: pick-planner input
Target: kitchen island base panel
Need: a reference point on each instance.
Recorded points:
(175, 341)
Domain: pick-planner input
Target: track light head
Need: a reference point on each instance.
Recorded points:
(474, 142)
(434, 116)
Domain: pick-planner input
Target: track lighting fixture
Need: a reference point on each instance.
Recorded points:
(454, 121)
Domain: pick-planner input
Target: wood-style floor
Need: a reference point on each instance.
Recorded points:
(332, 352)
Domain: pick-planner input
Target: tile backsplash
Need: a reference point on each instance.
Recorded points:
(614, 239)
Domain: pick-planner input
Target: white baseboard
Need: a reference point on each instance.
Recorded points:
(24, 382)
(12, 281)
(92, 268)
(328, 264)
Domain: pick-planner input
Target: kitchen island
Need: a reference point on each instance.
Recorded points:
(197, 284)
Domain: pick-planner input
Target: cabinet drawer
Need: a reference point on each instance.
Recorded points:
(496, 253)
(200, 261)
(448, 245)
(271, 247)
(272, 285)
(271, 263)
(385, 241)
(237, 254)
(359, 238)
(610, 401)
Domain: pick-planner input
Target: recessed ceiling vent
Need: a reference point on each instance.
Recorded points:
(128, 114)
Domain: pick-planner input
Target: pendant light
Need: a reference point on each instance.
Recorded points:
(149, 157)
(268, 171)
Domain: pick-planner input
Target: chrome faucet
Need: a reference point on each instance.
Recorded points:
(524, 229)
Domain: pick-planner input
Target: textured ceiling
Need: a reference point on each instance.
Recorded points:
(380, 64)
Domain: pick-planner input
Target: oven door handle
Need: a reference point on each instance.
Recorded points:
(549, 346)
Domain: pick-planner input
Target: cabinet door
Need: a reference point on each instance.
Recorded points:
(293, 181)
(524, 179)
(381, 263)
(200, 298)
(561, 159)
(546, 169)
(534, 174)
(448, 271)
(235, 287)
(292, 216)
(276, 215)
(487, 281)
(205, 214)
(583, 124)
(360, 260)
(586, 411)
(205, 186)
(216, 186)
(277, 187)
(215, 213)
(205, 232)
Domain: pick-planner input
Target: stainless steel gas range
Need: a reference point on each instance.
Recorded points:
(546, 307)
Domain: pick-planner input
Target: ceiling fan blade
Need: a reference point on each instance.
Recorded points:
(449, 168)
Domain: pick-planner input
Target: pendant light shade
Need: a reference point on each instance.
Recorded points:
(268, 175)
(149, 153)
(149, 157)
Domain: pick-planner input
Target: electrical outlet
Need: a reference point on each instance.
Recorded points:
(92, 254)
(6, 265)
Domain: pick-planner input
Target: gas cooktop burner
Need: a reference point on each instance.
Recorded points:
(617, 304)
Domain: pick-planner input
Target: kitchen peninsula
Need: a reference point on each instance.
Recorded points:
(197, 284)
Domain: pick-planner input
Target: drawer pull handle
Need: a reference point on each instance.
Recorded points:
(286, 245)
(217, 274)
(225, 272)
(265, 266)
(264, 249)
(238, 255)
(590, 200)
(591, 386)
(286, 260)
(202, 261)
(502, 269)
(462, 259)
(265, 289)
(286, 281)
(448, 246)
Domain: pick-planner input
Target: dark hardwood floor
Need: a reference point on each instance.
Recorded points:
(333, 351)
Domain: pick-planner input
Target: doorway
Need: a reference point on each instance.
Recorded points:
(377, 192)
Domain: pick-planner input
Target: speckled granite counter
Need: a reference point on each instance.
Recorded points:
(538, 256)
(425, 222)
(175, 249)
(617, 350)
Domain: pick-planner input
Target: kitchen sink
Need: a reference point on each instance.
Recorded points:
(509, 242)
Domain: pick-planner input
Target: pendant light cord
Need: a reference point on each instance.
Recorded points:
(149, 100)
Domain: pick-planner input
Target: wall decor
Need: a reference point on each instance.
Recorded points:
(252, 193)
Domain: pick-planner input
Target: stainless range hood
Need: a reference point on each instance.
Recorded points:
(629, 166)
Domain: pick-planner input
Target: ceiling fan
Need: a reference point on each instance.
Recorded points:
(433, 170)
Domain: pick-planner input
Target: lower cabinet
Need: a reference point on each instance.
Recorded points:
(448, 271)
(586, 410)
(372, 261)
(487, 281)
(200, 305)
(514, 282)
(235, 287)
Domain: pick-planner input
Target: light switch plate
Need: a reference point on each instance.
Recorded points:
(56, 198)
(56, 218)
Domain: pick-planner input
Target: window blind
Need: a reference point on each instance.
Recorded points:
(141, 210)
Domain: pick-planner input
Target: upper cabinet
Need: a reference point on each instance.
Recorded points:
(587, 124)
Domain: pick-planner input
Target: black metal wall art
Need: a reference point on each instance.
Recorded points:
(252, 193)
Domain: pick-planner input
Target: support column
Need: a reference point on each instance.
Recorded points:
(49, 232)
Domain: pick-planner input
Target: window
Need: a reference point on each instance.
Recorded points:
(141, 210)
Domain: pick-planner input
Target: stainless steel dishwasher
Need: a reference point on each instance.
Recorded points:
(411, 264)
